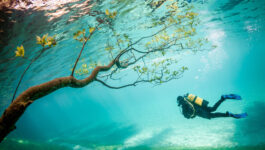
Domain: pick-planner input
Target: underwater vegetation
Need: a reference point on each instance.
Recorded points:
(13, 144)
(150, 58)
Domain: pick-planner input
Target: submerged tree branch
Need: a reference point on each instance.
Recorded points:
(157, 73)
(19, 105)
(33, 60)
(86, 39)
(119, 87)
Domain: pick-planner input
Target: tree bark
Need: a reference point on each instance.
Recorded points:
(19, 105)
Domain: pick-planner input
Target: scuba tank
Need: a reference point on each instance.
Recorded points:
(196, 100)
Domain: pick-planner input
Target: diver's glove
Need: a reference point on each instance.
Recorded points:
(232, 96)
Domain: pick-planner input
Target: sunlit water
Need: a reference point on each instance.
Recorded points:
(142, 116)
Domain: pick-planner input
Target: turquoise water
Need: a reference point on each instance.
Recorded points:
(142, 116)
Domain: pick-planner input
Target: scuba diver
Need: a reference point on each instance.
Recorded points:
(193, 106)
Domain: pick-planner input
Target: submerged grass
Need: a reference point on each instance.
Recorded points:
(256, 147)
(18, 144)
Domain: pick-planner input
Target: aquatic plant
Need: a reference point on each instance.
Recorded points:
(150, 58)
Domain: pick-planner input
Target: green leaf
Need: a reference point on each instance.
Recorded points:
(126, 36)
(175, 73)
(144, 69)
(184, 68)
(84, 65)
(109, 48)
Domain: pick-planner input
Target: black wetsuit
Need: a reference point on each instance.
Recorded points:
(207, 112)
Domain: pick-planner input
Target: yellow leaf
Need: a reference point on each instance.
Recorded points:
(180, 16)
(17, 53)
(43, 40)
(44, 37)
(114, 14)
(38, 39)
(92, 29)
(109, 48)
(107, 12)
(85, 71)
(120, 41)
(77, 34)
(49, 43)
(144, 69)
(81, 39)
(49, 38)
(147, 44)
(20, 51)
(84, 65)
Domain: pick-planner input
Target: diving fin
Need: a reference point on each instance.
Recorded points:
(237, 116)
(232, 96)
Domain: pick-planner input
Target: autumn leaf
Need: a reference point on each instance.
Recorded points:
(51, 41)
(20, 51)
(92, 29)
(113, 15)
(43, 40)
(107, 12)
(77, 34)
(109, 48)
(84, 65)
(38, 39)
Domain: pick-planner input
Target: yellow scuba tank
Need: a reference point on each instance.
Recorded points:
(194, 99)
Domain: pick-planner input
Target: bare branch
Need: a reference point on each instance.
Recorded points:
(33, 60)
(119, 87)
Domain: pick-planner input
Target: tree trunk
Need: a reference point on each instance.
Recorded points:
(19, 105)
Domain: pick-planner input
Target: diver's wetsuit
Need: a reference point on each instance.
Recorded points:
(206, 112)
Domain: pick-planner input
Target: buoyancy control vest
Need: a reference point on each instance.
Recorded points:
(196, 100)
